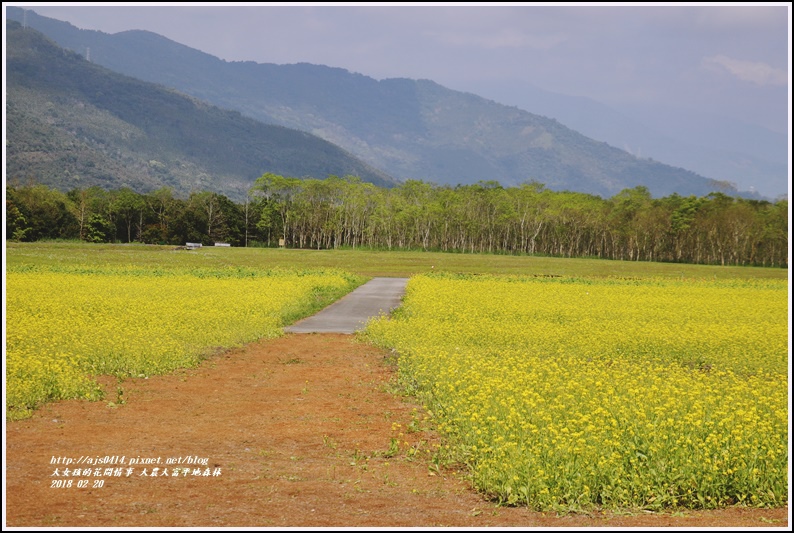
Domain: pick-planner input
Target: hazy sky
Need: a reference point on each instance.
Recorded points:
(729, 59)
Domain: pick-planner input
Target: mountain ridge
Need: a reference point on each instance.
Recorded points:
(750, 156)
(425, 137)
(72, 123)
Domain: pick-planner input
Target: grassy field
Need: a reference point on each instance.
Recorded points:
(363, 262)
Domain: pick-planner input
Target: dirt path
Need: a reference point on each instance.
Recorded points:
(298, 430)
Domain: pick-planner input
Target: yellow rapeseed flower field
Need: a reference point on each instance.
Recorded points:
(566, 394)
(66, 325)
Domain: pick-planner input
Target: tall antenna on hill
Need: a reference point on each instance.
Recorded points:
(88, 53)
(24, 19)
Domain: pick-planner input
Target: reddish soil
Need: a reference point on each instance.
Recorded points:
(300, 428)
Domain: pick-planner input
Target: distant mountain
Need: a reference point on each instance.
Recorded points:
(752, 157)
(409, 128)
(71, 123)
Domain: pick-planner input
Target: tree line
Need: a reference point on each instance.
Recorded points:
(480, 218)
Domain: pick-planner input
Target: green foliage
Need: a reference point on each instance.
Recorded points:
(38, 212)
(346, 213)
(98, 229)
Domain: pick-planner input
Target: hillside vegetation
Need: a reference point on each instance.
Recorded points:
(71, 123)
(411, 129)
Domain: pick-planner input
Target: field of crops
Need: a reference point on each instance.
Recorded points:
(67, 324)
(615, 384)
(568, 393)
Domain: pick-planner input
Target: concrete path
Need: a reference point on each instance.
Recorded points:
(350, 313)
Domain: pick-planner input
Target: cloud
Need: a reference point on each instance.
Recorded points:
(755, 72)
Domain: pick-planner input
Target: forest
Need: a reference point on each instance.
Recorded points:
(484, 217)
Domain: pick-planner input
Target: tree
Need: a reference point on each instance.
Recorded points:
(529, 204)
(82, 207)
(682, 216)
(229, 226)
(164, 206)
(278, 193)
(476, 218)
(203, 218)
(42, 213)
(16, 223)
(98, 229)
(129, 206)
(626, 205)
